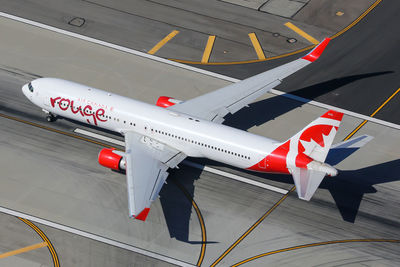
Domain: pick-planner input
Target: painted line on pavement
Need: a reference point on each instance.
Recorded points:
(23, 250)
(100, 137)
(235, 177)
(316, 245)
(43, 236)
(114, 46)
(94, 237)
(208, 49)
(257, 46)
(165, 40)
(191, 164)
(258, 222)
(345, 111)
(201, 71)
(301, 33)
(373, 114)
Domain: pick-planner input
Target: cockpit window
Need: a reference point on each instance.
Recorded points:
(30, 87)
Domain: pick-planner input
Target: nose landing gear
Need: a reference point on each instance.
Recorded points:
(50, 117)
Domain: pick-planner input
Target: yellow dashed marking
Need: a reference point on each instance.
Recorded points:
(301, 33)
(162, 42)
(208, 49)
(256, 45)
(23, 250)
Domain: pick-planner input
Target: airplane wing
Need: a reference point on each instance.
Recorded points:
(147, 162)
(215, 105)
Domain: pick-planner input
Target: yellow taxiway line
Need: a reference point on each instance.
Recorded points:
(53, 252)
(208, 49)
(301, 33)
(257, 46)
(372, 115)
(314, 245)
(163, 42)
(286, 54)
(252, 227)
(23, 250)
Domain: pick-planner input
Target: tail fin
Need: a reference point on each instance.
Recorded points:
(308, 151)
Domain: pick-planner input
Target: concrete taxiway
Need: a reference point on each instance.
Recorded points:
(141, 24)
(51, 173)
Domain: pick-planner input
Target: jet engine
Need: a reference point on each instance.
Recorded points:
(166, 101)
(110, 158)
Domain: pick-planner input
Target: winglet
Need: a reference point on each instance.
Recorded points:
(317, 51)
(143, 215)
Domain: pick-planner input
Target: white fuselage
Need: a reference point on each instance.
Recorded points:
(194, 137)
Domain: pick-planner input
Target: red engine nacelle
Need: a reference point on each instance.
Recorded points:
(166, 101)
(109, 159)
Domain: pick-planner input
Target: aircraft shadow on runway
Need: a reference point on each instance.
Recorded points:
(265, 110)
(175, 197)
(349, 187)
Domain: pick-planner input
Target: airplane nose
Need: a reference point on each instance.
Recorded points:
(26, 92)
(25, 89)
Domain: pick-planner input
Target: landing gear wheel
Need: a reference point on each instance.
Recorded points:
(50, 117)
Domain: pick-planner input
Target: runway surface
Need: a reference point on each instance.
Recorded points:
(51, 173)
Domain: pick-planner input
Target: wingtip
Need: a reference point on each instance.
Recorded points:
(143, 215)
(317, 51)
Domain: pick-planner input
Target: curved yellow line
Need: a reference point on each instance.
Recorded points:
(243, 236)
(286, 54)
(201, 221)
(53, 252)
(313, 245)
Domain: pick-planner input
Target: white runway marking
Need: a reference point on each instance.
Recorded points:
(94, 237)
(183, 66)
(100, 137)
(191, 164)
(235, 177)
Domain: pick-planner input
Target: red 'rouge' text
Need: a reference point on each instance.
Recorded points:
(87, 111)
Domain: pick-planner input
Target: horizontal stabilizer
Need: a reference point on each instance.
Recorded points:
(356, 142)
(307, 182)
(343, 150)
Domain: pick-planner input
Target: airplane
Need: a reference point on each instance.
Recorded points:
(158, 137)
